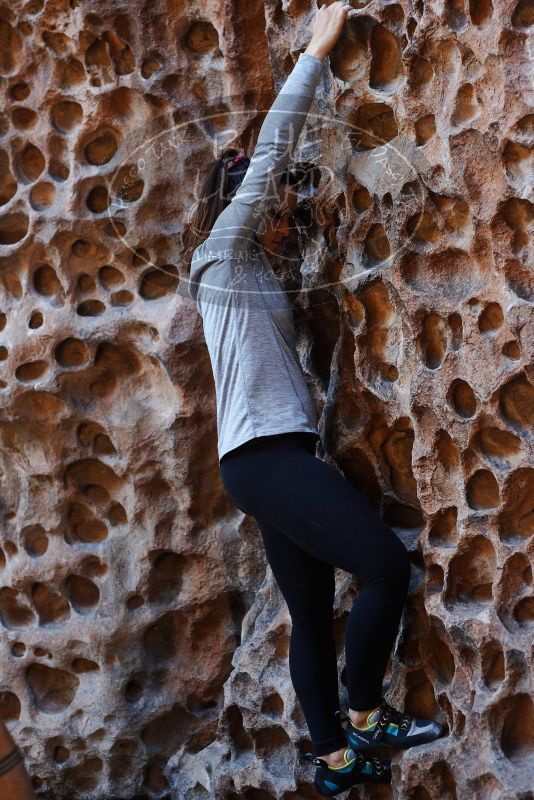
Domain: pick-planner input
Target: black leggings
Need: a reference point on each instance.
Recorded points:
(311, 520)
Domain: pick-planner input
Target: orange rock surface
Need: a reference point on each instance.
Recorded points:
(143, 643)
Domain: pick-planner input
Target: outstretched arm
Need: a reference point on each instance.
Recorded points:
(278, 136)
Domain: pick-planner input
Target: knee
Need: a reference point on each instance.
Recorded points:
(310, 597)
(308, 617)
(404, 568)
(394, 569)
(307, 610)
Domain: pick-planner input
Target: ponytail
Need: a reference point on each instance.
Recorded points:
(219, 186)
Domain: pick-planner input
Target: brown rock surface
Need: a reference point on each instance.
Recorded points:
(143, 642)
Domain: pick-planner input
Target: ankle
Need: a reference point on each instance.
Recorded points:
(360, 717)
(335, 759)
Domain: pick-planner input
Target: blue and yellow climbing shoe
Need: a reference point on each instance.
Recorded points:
(387, 727)
(330, 781)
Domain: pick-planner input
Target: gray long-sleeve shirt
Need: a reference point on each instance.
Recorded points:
(247, 318)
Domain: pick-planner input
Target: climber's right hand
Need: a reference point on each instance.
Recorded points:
(327, 26)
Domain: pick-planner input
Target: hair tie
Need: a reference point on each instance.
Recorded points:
(238, 158)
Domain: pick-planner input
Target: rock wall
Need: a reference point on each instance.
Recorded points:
(144, 642)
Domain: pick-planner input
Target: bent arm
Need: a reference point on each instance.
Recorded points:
(278, 136)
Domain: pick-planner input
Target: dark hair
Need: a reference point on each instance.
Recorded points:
(216, 192)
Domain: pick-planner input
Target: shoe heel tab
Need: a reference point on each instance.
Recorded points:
(313, 759)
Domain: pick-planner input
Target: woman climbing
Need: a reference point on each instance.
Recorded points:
(310, 517)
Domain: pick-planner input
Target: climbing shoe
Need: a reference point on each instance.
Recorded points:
(387, 727)
(330, 781)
